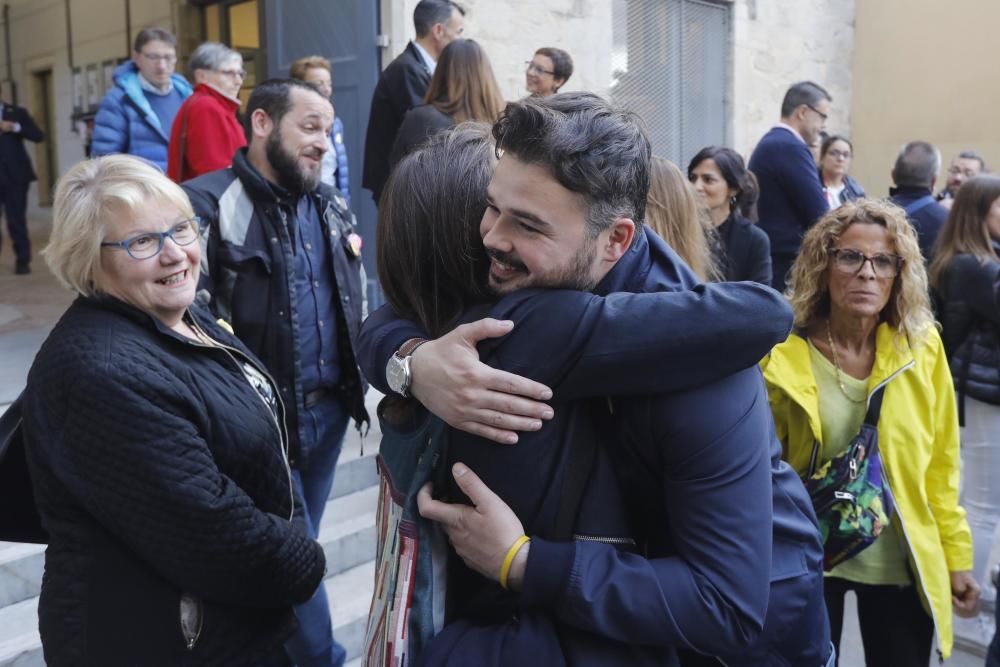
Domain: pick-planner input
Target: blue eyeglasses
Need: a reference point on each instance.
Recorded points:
(149, 244)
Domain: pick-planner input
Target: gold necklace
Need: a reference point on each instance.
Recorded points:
(836, 365)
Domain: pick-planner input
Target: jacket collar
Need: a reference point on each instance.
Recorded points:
(913, 191)
(649, 265)
(789, 367)
(231, 103)
(141, 317)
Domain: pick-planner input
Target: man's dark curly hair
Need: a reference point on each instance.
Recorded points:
(590, 146)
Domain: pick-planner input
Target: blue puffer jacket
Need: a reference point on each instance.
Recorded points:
(126, 123)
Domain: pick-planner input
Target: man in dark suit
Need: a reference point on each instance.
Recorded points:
(16, 174)
(914, 174)
(404, 83)
(791, 195)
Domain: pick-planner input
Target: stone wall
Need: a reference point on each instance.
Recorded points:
(779, 42)
(511, 30)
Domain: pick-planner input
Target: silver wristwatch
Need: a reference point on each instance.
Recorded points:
(397, 371)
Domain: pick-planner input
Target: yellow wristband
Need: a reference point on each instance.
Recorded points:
(509, 558)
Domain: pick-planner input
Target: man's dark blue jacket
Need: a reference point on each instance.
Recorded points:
(609, 605)
(791, 195)
(927, 221)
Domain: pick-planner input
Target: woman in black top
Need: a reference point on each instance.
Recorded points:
(965, 274)
(729, 192)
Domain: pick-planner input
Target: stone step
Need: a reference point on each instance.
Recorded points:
(349, 593)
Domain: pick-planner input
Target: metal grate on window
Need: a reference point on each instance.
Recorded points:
(670, 65)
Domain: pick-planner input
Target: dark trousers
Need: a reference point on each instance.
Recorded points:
(14, 199)
(993, 659)
(895, 629)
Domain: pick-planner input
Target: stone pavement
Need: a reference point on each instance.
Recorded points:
(30, 306)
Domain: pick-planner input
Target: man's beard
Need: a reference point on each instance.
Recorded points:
(291, 176)
(576, 275)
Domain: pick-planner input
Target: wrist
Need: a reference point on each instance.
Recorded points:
(398, 373)
(515, 578)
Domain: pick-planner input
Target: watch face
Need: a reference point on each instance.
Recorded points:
(395, 374)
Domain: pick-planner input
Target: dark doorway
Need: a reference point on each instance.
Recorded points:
(343, 31)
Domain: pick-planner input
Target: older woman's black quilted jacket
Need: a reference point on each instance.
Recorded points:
(159, 475)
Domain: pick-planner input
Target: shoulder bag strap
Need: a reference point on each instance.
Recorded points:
(875, 406)
(918, 205)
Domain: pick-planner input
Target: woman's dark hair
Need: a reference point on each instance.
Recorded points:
(562, 63)
(431, 260)
(738, 177)
(828, 141)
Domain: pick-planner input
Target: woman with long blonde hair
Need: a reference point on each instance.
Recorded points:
(463, 89)
(672, 211)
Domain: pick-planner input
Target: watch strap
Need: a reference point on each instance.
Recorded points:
(409, 347)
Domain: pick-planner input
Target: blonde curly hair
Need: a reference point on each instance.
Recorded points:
(908, 309)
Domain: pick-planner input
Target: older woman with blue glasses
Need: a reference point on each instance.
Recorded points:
(156, 447)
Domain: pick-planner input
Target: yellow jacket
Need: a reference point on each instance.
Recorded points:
(918, 440)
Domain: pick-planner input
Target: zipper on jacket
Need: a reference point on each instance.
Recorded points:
(620, 541)
(902, 522)
(192, 619)
(279, 425)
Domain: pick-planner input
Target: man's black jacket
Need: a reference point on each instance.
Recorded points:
(248, 266)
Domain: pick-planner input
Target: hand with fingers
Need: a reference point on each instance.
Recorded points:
(964, 594)
(485, 534)
(450, 381)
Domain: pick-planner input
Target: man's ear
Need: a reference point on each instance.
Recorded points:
(437, 31)
(892, 175)
(620, 238)
(200, 76)
(933, 181)
(261, 124)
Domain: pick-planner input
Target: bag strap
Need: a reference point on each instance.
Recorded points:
(871, 418)
(581, 438)
(10, 423)
(918, 205)
(875, 406)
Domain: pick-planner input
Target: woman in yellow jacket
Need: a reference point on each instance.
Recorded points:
(859, 293)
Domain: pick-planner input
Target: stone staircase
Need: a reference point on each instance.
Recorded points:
(347, 533)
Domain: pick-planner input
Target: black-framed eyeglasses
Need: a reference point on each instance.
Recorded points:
(848, 260)
(818, 112)
(149, 244)
(537, 69)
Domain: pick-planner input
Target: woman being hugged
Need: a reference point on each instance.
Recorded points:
(965, 274)
(859, 294)
(156, 447)
(729, 191)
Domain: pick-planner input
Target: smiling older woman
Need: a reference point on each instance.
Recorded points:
(155, 445)
(859, 294)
